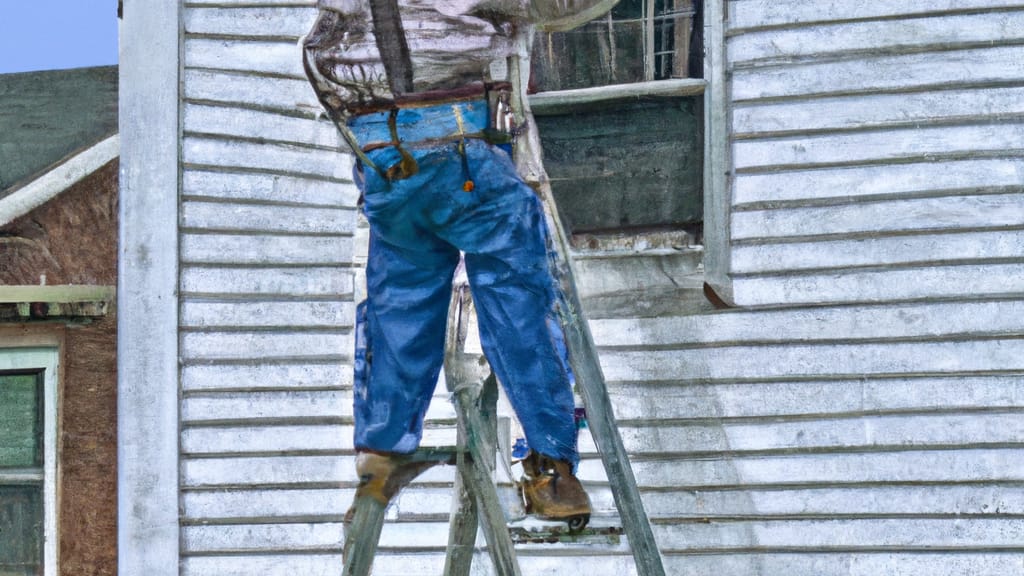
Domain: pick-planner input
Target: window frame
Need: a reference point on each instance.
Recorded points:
(46, 360)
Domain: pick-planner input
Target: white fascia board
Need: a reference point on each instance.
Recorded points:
(58, 179)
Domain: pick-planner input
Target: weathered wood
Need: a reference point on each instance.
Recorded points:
(251, 89)
(252, 438)
(310, 281)
(464, 378)
(362, 535)
(258, 187)
(976, 66)
(938, 281)
(250, 21)
(283, 58)
(266, 249)
(764, 563)
(718, 163)
(837, 185)
(948, 213)
(256, 124)
(878, 146)
(755, 14)
(817, 361)
(826, 40)
(262, 345)
(965, 247)
(288, 160)
(876, 111)
(567, 101)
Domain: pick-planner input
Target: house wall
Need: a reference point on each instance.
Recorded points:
(267, 214)
(856, 415)
(73, 240)
(858, 412)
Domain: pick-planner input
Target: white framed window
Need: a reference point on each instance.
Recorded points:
(28, 461)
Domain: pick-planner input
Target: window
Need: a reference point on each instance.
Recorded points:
(620, 108)
(28, 462)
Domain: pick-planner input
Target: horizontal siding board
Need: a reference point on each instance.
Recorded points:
(857, 432)
(878, 36)
(932, 563)
(309, 3)
(920, 533)
(990, 210)
(868, 74)
(235, 505)
(256, 124)
(265, 249)
(880, 285)
(890, 181)
(321, 564)
(259, 56)
(262, 375)
(911, 466)
(267, 314)
(257, 187)
(219, 216)
(283, 158)
(651, 402)
(256, 405)
(261, 345)
(866, 111)
(872, 500)
(757, 13)
(252, 438)
(879, 145)
(310, 536)
(289, 95)
(251, 21)
(282, 470)
(305, 281)
(791, 360)
(251, 407)
(888, 250)
(850, 323)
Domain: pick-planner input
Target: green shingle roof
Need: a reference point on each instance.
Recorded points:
(48, 115)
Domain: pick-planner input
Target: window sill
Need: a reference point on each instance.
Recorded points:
(566, 101)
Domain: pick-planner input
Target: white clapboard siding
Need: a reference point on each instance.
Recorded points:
(250, 21)
(286, 159)
(771, 46)
(251, 90)
(261, 125)
(854, 112)
(933, 563)
(269, 189)
(276, 57)
(870, 74)
(855, 184)
(917, 214)
(759, 13)
(263, 281)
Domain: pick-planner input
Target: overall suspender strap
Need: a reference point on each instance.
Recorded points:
(392, 45)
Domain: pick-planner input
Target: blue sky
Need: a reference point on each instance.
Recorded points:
(56, 34)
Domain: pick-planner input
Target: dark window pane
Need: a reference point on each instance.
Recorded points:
(21, 530)
(21, 421)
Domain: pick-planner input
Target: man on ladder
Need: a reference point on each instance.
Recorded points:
(419, 90)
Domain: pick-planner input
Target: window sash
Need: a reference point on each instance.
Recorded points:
(44, 361)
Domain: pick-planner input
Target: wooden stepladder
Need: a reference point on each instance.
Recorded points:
(474, 391)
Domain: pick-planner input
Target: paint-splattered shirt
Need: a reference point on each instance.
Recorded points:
(453, 45)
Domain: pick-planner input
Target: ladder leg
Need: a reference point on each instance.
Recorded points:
(362, 535)
(477, 421)
(464, 519)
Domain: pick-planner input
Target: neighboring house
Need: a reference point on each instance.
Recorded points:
(852, 407)
(58, 328)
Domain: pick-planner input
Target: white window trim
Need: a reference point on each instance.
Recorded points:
(45, 359)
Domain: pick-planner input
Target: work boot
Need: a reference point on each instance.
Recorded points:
(551, 491)
(381, 476)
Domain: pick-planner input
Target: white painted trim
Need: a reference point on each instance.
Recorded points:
(58, 179)
(147, 320)
(47, 360)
